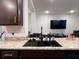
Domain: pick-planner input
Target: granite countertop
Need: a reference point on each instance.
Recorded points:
(67, 44)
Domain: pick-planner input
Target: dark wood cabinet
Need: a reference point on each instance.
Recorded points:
(42, 54)
(72, 54)
(0, 54)
(39, 54)
(20, 12)
(9, 55)
(11, 12)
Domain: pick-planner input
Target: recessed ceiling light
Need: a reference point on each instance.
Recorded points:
(47, 12)
(72, 11)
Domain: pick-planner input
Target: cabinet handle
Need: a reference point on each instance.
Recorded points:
(15, 19)
(19, 12)
(8, 55)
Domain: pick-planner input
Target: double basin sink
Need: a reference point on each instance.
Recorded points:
(39, 43)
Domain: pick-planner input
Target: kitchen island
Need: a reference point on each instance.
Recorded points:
(67, 44)
(14, 49)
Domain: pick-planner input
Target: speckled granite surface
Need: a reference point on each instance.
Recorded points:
(68, 44)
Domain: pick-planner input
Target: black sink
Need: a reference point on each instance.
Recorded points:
(40, 43)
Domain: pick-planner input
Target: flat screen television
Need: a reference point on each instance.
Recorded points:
(58, 24)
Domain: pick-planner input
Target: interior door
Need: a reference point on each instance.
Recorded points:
(8, 12)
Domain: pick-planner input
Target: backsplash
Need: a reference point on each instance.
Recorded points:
(11, 29)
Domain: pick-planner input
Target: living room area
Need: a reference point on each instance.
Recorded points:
(53, 18)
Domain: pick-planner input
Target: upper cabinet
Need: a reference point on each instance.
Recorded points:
(11, 12)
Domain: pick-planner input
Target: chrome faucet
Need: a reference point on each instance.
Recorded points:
(41, 36)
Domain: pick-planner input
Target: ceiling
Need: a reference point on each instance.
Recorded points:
(56, 6)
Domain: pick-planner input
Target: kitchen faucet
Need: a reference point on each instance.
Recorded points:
(41, 35)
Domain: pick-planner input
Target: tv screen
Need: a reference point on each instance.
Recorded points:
(58, 24)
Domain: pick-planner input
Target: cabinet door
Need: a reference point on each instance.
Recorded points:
(20, 12)
(8, 12)
(0, 54)
(72, 54)
(9, 55)
(41, 54)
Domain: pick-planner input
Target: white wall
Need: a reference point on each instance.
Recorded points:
(44, 21)
(32, 22)
(25, 16)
